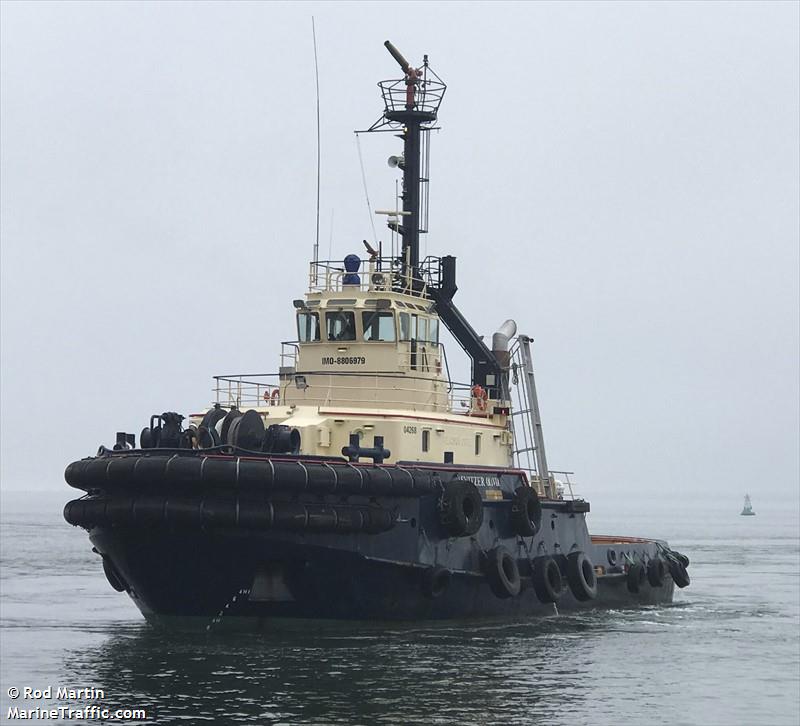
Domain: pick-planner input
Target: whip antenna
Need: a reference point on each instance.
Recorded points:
(319, 161)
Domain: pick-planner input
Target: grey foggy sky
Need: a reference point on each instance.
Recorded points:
(622, 179)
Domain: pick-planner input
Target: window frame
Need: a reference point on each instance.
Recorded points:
(313, 314)
(379, 315)
(331, 315)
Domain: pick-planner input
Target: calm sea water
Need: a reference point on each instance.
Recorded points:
(727, 652)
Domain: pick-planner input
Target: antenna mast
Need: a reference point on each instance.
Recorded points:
(411, 104)
(319, 157)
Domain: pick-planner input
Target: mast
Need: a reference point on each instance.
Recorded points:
(415, 108)
(411, 105)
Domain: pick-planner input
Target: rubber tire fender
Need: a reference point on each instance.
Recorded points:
(435, 581)
(461, 508)
(526, 512)
(656, 572)
(637, 576)
(502, 573)
(547, 579)
(114, 578)
(581, 576)
(679, 574)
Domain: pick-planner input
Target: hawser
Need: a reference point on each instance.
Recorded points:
(360, 481)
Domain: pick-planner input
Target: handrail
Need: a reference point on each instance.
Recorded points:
(380, 274)
(255, 388)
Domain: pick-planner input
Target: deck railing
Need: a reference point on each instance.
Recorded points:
(379, 274)
(381, 390)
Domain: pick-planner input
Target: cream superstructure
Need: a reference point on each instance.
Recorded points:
(368, 361)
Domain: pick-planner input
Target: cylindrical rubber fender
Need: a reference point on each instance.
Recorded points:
(378, 480)
(656, 572)
(75, 473)
(189, 468)
(322, 517)
(87, 474)
(74, 512)
(526, 512)
(378, 520)
(461, 508)
(637, 576)
(112, 575)
(679, 574)
(119, 511)
(183, 512)
(502, 573)
(682, 558)
(148, 510)
(220, 512)
(351, 519)
(581, 576)
(611, 556)
(117, 468)
(147, 471)
(547, 579)
(155, 510)
(435, 581)
(182, 470)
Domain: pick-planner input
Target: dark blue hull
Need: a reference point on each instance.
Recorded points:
(216, 537)
(211, 576)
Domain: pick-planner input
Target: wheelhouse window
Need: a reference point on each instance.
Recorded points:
(405, 326)
(340, 325)
(378, 326)
(422, 329)
(308, 327)
(413, 327)
(433, 330)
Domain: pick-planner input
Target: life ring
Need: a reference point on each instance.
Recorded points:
(435, 580)
(272, 398)
(481, 396)
(502, 573)
(547, 579)
(526, 512)
(656, 572)
(637, 576)
(581, 576)
(461, 508)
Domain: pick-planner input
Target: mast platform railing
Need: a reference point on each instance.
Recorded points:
(428, 94)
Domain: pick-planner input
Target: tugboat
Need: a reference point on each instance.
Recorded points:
(360, 481)
(747, 510)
